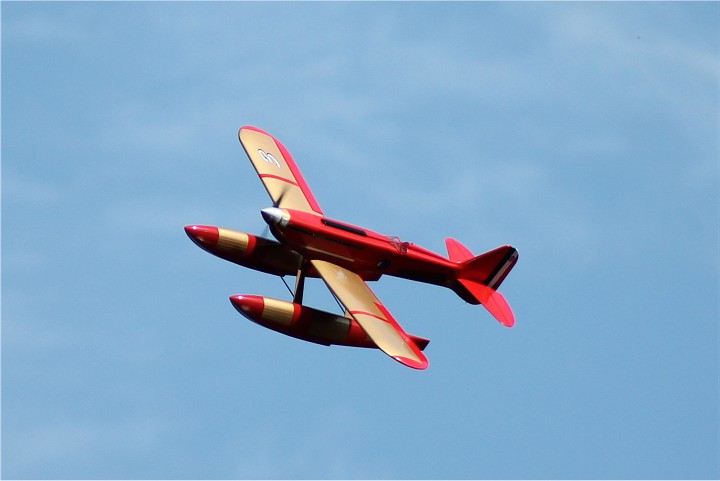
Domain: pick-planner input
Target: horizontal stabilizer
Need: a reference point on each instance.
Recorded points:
(456, 251)
(420, 342)
(493, 301)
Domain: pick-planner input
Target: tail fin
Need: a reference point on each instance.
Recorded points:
(456, 251)
(479, 277)
(420, 341)
(493, 301)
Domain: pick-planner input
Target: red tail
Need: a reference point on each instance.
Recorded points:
(479, 277)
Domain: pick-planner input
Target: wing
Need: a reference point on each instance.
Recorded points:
(372, 316)
(277, 171)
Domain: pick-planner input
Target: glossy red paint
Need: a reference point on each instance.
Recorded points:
(411, 362)
(302, 322)
(205, 236)
(492, 300)
(249, 306)
(362, 250)
(456, 251)
(247, 250)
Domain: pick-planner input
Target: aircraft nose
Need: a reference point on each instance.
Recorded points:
(205, 236)
(273, 216)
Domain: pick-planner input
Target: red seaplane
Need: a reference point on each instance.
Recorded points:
(345, 257)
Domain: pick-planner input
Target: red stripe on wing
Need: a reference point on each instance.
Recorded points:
(294, 169)
(277, 177)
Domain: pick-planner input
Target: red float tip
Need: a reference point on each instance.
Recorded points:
(204, 236)
(249, 306)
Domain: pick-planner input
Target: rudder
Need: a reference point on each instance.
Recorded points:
(490, 268)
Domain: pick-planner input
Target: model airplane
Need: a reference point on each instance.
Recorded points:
(345, 257)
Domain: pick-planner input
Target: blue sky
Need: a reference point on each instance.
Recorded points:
(586, 135)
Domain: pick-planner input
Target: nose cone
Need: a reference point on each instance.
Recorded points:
(249, 306)
(205, 236)
(273, 216)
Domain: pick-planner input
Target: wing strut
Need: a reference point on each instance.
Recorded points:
(300, 282)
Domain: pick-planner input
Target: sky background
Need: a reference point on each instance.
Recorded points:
(586, 135)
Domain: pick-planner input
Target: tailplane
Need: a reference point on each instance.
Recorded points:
(493, 301)
(479, 277)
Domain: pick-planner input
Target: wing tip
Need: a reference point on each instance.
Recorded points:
(252, 127)
(420, 364)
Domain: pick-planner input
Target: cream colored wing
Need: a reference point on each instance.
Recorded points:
(277, 171)
(371, 314)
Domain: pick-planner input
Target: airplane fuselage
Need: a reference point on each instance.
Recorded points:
(368, 253)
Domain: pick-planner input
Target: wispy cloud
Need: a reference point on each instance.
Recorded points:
(586, 134)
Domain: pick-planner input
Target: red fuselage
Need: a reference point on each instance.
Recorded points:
(365, 252)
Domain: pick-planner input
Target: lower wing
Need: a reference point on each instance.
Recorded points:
(362, 304)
